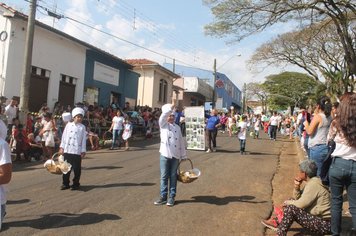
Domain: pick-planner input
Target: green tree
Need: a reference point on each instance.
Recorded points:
(289, 89)
(315, 49)
(257, 91)
(242, 18)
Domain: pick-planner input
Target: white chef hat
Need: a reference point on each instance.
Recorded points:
(77, 111)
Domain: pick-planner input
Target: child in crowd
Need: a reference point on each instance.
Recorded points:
(35, 143)
(93, 139)
(22, 144)
(127, 132)
(48, 133)
(257, 126)
(231, 122)
(73, 147)
(223, 121)
(242, 133)
(37, 126)
(15, 125)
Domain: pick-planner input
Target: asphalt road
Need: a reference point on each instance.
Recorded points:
(118, 188)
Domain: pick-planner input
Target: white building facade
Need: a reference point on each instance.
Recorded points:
(58, 63)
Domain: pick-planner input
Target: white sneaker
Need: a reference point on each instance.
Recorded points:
(214, 149)
(208, 150)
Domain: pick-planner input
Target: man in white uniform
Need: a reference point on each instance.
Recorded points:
(5, 169)
(172, 150)
(73, 147)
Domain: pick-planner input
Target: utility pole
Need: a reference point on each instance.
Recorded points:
(174, 65)
(26, 70)
(213, 102)
(244, 99)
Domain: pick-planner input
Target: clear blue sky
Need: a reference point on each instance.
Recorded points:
(169, 29)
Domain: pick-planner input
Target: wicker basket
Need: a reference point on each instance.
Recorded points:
(53, 167)
(188, 176)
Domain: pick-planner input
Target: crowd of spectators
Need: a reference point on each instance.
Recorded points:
(39, 137)
(326, 132)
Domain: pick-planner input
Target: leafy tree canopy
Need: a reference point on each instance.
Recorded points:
(242, 18)
(315, 49)
(289, 89)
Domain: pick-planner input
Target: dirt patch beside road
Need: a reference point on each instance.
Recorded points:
(282, 183)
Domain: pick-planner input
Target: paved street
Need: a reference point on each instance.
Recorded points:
(118, 189)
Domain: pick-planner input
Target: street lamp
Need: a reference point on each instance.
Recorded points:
(215, 71)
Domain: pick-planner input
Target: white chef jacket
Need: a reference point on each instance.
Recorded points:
(74, 139)
(11, 113)
(172, 142)
(5, 158)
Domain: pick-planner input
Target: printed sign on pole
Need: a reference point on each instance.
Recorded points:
(195, 127)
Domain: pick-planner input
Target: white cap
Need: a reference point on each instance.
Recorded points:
(77, 111)
(66, 116)
(167, 108)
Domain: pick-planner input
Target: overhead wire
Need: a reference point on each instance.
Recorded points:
(174, 41)
(61, 14)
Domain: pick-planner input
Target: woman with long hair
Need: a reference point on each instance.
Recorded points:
(342, 172)
(318, 130)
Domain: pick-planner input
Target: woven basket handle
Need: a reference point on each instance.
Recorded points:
(187, 159)
(55, 156)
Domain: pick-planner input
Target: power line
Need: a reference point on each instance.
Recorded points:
(126, 10)
(111, 35)
(60, 16)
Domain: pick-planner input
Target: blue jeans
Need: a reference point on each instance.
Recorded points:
(318, 154)
(305, 144)
(168, 168)
(242, 145)
(342, 174)
(273, 132)
(257, 133)
(211, 138)
(3, 212)
(116, 136)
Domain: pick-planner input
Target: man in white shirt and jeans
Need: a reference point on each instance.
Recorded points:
(273, 122)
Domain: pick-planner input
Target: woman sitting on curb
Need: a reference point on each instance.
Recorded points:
(311, 207)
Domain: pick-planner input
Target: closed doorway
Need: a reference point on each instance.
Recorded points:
(38, 88)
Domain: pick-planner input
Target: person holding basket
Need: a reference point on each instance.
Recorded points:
(172, 150)
(73, 147)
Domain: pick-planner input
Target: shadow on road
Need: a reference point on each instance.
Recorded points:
(220, 201)
(86, 188)
(228, 151)
(17, 201)
(103, 167)
(260, 153)
(26, 166)
(58, 220)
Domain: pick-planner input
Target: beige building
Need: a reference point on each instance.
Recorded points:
(191, 91)
(155, 86)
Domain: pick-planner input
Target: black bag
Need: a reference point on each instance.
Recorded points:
(324, 172)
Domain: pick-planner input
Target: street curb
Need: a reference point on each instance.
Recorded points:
(282, 180)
